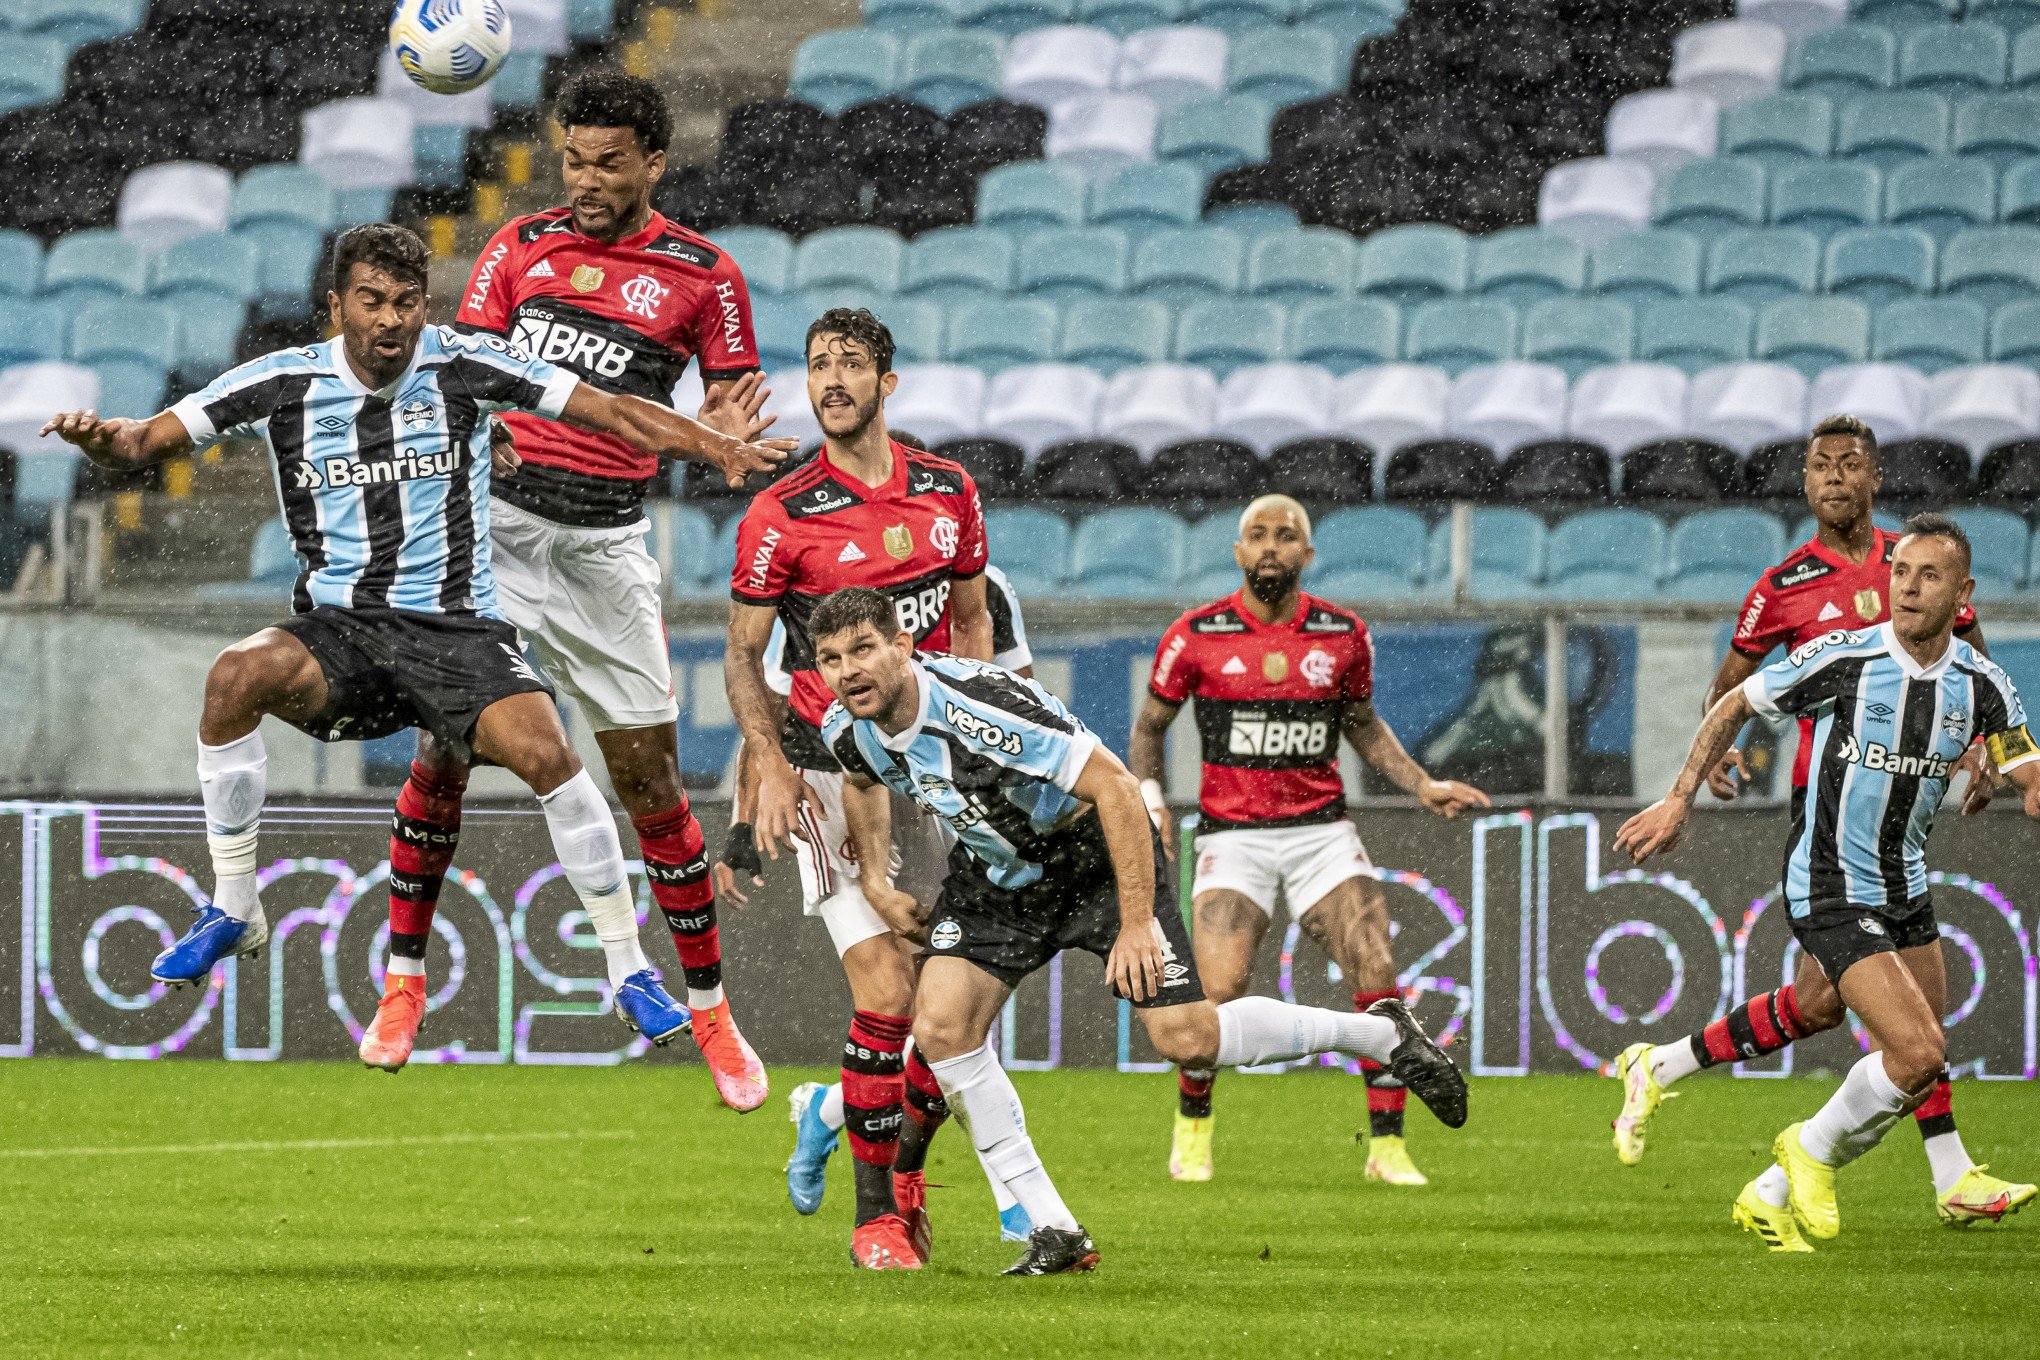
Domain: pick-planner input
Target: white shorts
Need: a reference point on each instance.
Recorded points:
(1301, 864)
(828, 868)
(587, 603)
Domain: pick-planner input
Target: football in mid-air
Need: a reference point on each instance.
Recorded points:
(450, 46)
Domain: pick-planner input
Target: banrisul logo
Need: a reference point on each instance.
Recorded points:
(409, 466)
(1873, 755)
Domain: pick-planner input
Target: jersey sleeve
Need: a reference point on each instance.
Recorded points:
(1804, 679)
(1358, 682)
(839, 734)
(504, 378)
(764, 565)
(233, 404)
(2001, 721)
(1760, 626)
(1009, 629)
(1175, 674)
(728, 341)
(487, 304)
(972, 549)
(1965, 619)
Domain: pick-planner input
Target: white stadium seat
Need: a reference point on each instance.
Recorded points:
(1391, 405)
(538, 26)
(789, 401)
(935, 401)
(1744, 405)
(1048, 65)
(1663, 128)
(30, 392)
(1595, 198)
(1173, 65)
(1623, 405)
(1158, 404)
(1507, 404)
(470, 110)
(361, 143)
(1892, 397)
(1036, 405)
(1732, 60)
(1797, 17)
(162, 204)
(1264, 405)
(1100, 133)
(1983, 405)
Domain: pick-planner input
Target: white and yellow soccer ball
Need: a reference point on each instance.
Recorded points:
(450, 46)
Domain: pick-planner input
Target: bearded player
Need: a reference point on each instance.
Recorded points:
(1278, 677)
(867, 511)
(609, 289)
(1840, 579)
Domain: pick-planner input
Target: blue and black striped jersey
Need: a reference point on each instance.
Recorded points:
(385, 494)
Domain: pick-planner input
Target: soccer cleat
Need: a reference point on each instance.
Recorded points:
(387, 1042)
(1014, 1224)
(645, 1006)
(883, 1244)
(213, 937)
(739, 1076)
(813, 1141)
(1772, 1222)
(1641, 1095)
(1056, 1251)
(1190, 1149)
(1978, 1198)
(1421, 1065)
(1388, 1161)
(1813, 1186)
(910, 1192)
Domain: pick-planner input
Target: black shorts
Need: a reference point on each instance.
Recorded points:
(1010, 933)
(389, 669)
(1840, 936)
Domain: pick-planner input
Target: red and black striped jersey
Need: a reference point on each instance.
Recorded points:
(1268, 702)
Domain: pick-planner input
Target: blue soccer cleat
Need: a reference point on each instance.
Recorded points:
(646, 1006)
(1015, 1225)
(813, 1142)
(214, 937)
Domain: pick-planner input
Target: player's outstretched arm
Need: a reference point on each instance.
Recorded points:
(970, 619)
(1376, 743)
(1725, 779)
(653, 429)
(1145, 755)
(122, 444)
(1135, 964)
(737, 407)
(1657, 828)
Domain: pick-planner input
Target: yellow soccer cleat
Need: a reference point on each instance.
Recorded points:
(1190, 1151)
(1388, 1161)
(1813, 1186)
(1978, 1198)
(1641, 1095)
(1771, 1222)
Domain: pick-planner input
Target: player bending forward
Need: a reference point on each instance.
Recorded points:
(1278, 676)
(1055, 851)
(383, 462)
(1841, 578)
(623, 297)
(1893, 709)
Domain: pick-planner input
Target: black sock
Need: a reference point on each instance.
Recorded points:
(874, 1192)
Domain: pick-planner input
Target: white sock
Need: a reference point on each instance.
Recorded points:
(1669, 1062)
(699, 999)
(831, 1112)
(1775, 1187)
(232, 781)
(1947, 1159)
(1259, 1029)
(982, 1095)
(1856, 1117)
(584, 837)
(399, 966)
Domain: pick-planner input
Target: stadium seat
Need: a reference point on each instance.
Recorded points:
(1556, 471)
(1208, 557)
(1436, 471)
(952, 265)
(1205, 470)
(1662, 129)
(998, 334)
(283, 193)
(1813, 333)
(1346, 334)
(2015, 334)
(1034, 547)
(1799, 19)
(1508, 555)
(21, 264)
(1458, 333)
(1237, 16)
(1940, 195)
(1030, 196)
(217, 267)
(540, 25)
(849, 257)
(1694, 333)
(1604, 555)
(1146, 196)
(2025, 71)
(31, 70)
(834, 70)
(1645, 266)
(1627, 404)
(1993, 266)
(1188, 264)
(1731, 61)
(2010, 473)
(1112, 334)
(1215, 134)
(1332, 471)
(765, 256)
(1840, 62)
(1926, 470)
(1671, 470)
(1127, 553)
(1764, 265)
(1931, 334)
(1035, 405)
(1503, 405)
(1826, 196)
(1369, 552)
(1048, 65)
(682, 542)
(130, 388)
(361, 143)
(939, 402)
(1390, 405)
(77, 22)
(163, 204)
(1066, 265)
(1173, 65)
(1890, 396)
(94, 263)
(1089, 470)
(1414, 264)
(1595, 198)
(781, 323)
(1577, 334)
(1953, 59)
(1984, 405)
(1011, 17)
(2013, 16)
(1284, 65)
(1877, 265)
(1999, 128)
(1999, 549)
(2019, 193)
(1713, 555)
(37, 330)
(1890, 129)
(997, 466)
(471, 109)
(1158, 404)
(1900, 15)
(1527, 265)
(1229, 334)
(1744, 405)
(917, 329)
(1265, 405)
(123, 328)
(1710, 197)
(1097, 134)
(1122, 17)
(1301, 266)
(1251, 217)
(1779, 129)
(949, 68)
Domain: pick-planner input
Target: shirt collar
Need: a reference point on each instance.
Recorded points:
(899, 744)
(1913, 670)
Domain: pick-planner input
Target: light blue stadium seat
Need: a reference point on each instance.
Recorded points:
(1230, 334)
(272, 568)
(682, 541)
(765, 256)
(77, 22)
(1508, 554)
(1285, 65)
(1826, 196)
(590, 20)
(916, 327)
(904, 16)
(1780, 128)
(364, 203)
(1351, 23)
(215, 265)
(1888, 129)
(1458, 333)
(1413, 264)
(1999, 128)
(1238, 16)
(1709, 197)
(290, 254)
(956, 264)
(94, 263)
(1839, 62)
(1993, 266)
(1694, 333)
(45, 478)
(2025, 61)
(847, 66)
(1605, 555)
(1148, 195)
(21, 264)
(843, 293)
(723, 557)
(129, 388)
(1009, 17)
(1253, 219)
(1579, 333)
(1759, 266)
(1111, 334)
(1127, 554)
(1807, 526)
(998, 335)
(1191, 264)
(1208, 558)
(2015, 334)
(781, 323)
(1999, 549)
(1369, 552)
(1526, 265)
(124, 328)
(1715, 554)
(2019, 193)
(439, 156)
(1900, 15)
(1122, 17)
(857, 257)
(1941, 195)
(1034, 547)
(1646, 266)
(208, 334)
(1217, 133)
(1953, 59)
(1301, 266)
(519, 82)
(1077, 263)
(1031, 196)
(36, 329)
(946, 69)
(1879, 264)
(1813, 333)
(283, 193)
(1931, 333)
(2013, 16)
(1346, 334)
(31, 70)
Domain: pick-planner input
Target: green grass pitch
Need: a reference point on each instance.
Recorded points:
(550, 1212)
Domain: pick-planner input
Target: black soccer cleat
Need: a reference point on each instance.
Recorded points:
(1421, 1065)
(1055, 1251)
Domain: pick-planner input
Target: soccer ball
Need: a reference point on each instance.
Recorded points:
(450, 46)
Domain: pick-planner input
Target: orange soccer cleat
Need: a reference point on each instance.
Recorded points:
(910, 1192)
(883, 1244)
(387, 1044)
(739, 1076)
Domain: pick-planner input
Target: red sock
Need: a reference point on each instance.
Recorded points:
(927, 1109)
(874, 1085)
(1386, 1096)
(1193, 1092)
(1936, 1114)
(1762, 1025)
(422, 838)
(676, 862)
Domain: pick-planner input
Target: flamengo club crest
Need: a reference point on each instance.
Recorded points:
(586, 278)
(1318, 668)
(943, 534)
(1275, 667)
(899, 541)
(642, 296)
(1869, 604)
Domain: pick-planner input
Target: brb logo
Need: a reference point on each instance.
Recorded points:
(556, 342)
(919, 612)
(1255, 735)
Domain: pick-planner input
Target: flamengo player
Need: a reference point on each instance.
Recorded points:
(1840, 579)
(868, 511)
(1278, 676)
(611, 290)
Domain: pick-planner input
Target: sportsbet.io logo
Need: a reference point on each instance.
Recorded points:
(946, 935)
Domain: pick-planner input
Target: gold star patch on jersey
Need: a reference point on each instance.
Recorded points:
(1275, 667)
(586, 278)
(1869, 604)
(899, 541)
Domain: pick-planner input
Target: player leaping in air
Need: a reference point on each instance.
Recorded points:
(381, 440)
(1841, 578)
(1894, 707)
(1278, 676)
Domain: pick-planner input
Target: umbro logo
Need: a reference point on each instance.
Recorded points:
(330, 424)
(1233, 667)
(1828, 611)
(851, 553)
(1879, 710)
(542, 270)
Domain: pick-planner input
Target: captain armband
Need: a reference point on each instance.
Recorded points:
(2011, 748)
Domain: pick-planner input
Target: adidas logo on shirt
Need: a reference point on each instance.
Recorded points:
(1233, 667)
(1828, 611)
(542, 270)
(851, 553)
